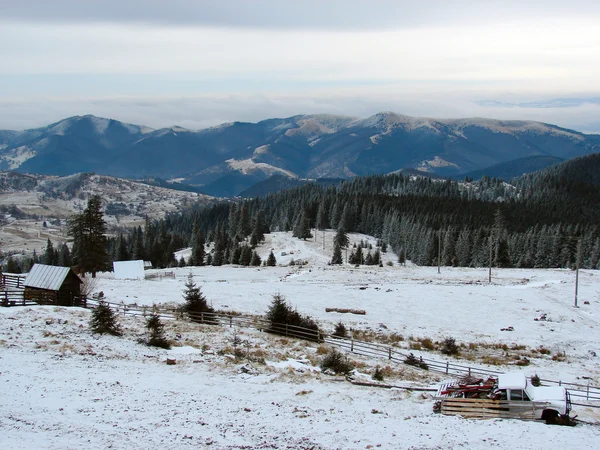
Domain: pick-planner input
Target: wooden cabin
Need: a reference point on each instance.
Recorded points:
(53, 285)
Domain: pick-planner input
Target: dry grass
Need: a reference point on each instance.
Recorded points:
(322, 350)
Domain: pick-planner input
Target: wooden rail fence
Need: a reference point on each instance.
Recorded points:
(587, 393)
(477, 408)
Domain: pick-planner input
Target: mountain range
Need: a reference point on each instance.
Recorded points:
(231, 158)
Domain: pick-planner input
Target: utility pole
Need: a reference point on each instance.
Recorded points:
(577, 271)
(491, 246)
(439, 249)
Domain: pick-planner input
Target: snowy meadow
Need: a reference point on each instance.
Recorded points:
(64, 387)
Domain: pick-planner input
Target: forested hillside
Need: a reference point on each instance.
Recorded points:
(536, 221)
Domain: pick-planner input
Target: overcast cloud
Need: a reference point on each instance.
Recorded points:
(199, 63)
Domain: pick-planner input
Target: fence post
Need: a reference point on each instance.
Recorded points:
(230, 321)
(352, 345)
(447, 366)
(286, 329)
(560, 383)
(588, 392)
(390, 353)
(201, 317)
(469, 371)
(123, 305)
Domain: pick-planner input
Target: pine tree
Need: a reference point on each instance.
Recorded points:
(341, 238)
(197, 243)
(195, 302)
(89, 241)
(12, 265)
(48, 256)
(245, 255)
(104, 321)
(64, 256)
(157, 332)
(337, 255)
(271, 261)
(255, 260)
(302, 229)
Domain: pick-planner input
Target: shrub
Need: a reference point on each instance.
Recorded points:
(535, 380)
(412, 360)
(427, 344)
(104, 321)
(340, 330)
(378, 374)
(449, 346)
(157, 332)
(336, 362)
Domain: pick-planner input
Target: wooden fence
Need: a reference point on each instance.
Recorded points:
(583, 392)
(14, 298)
(477, 408)
(13, 280)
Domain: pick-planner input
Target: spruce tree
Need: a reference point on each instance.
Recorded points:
(271, 261)
(255, 260)
(341, 238)
(195, 302)
(157, 332)
(302, 229)
(103, 320)
(337, 255)
(245, 255)
(48, 256)
(89, 241)
(12, 265)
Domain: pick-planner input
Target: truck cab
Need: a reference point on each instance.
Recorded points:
(550, 403)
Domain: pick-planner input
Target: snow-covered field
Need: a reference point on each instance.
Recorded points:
(63, 387)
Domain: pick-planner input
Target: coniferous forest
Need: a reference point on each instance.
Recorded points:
(539, 220)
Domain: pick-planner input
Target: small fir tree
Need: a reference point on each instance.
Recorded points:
(195, 302)
(271, 261)
(337, 255)
(255, 260)
(104, 321)
(157, 332)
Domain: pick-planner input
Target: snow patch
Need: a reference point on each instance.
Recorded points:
(248, 166)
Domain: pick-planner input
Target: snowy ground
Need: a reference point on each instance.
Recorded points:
(63, 387)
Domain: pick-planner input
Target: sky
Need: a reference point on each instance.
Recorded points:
(200, 63)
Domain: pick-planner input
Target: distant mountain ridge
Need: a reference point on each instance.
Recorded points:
(230, 158)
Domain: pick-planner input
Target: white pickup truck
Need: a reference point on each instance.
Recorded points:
(508, 396)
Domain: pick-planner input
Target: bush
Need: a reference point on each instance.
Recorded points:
(412, 360)
(157, 332)
(337, 363)
(449, 346)
(378, 374)
(104, 321)
(535, 380)
(340, 330)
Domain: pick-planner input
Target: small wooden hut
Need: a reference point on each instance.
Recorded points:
(53, 285)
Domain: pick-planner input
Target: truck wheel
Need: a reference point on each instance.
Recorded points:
(550, 416)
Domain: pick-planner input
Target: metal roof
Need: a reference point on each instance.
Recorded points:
(46, 277)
